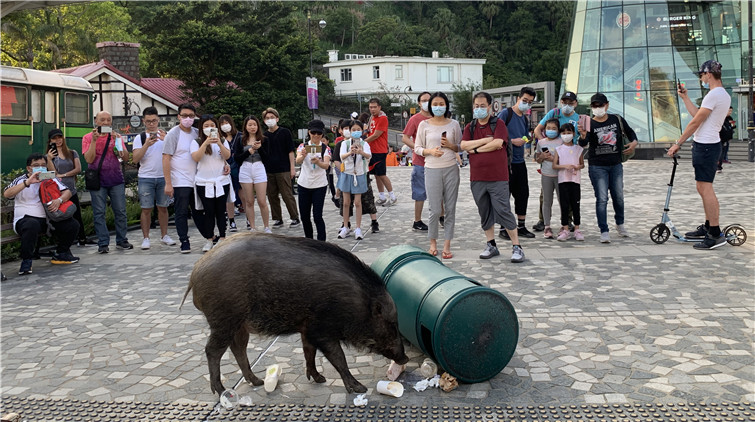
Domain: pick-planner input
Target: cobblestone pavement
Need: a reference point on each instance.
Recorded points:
(625, 322)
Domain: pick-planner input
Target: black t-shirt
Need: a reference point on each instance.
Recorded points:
(275, 149)
(605, 142)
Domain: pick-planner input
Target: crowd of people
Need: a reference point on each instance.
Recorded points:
(209, 170)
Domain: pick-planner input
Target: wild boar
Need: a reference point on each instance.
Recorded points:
(272, 285)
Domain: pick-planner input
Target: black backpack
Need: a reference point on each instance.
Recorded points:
(727, 131)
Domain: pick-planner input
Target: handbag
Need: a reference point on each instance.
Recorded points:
(48, 192)
(92, 176)
(624, 142)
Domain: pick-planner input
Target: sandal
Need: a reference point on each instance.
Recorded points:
(433, 252)
(447, 255)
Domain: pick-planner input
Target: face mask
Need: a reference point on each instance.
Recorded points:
(523, 107)
(567, 137)
(187, 122)
(346, 133)
(439, 110)
(225, 128)
(36, 169)
(271, 123)
(356, 134)
(706, 85)
(207, 130)
(567, 109)
(598, 111)
(480, 113)
(424, 105)
(551, 133)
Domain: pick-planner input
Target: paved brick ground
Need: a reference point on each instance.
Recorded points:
(626, 322)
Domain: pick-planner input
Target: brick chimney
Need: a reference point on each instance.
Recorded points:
(123, 55)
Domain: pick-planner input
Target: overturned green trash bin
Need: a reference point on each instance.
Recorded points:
(471, 331)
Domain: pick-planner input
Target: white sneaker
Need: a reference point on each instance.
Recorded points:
(343, 233)
(381, 201)
(207, 246)
(605, 237)
(392, 200)
(268, 231)
(168, 240)
(272, 374)
(622, 230)
(145, 243)
(358, 234)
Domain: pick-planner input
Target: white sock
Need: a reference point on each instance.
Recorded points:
(392, 195)
(382, 196)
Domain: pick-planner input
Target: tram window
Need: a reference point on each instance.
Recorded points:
(13, 102)
(77, 108)
(50, 107)
(36, 105)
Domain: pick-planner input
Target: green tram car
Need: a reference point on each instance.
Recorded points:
(32, 102)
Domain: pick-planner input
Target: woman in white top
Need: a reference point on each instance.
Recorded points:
(314, 159)
(355, 156)
(252, 175)
(438, 140)
(211, 185)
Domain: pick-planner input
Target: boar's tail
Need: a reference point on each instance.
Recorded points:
(188, 289)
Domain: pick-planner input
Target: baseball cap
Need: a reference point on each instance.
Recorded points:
(711, 66)
(598, 99)
(53, 133)
(568, 95)
(316, 126)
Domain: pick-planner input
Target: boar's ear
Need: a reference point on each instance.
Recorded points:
(377, 308)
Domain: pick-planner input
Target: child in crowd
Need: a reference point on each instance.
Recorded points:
(545, 153)
(344, 133)
(355, 154)
(568, 160)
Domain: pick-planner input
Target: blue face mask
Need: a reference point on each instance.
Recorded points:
(356, 134)
(523, 107)
(439, 110)
(567, 109)
(480, 113)
(706, 85)
(36, 169)
(551, 133)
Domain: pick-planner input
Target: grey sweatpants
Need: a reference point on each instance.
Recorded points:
(442, 187)
(550, 184)
(493, 204)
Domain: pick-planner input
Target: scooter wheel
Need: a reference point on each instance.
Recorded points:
(660, 234)
(735, 235)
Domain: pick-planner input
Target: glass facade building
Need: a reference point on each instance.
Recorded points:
(635, 51)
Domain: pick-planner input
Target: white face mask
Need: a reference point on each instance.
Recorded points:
(567, 137)
(225, 127)
(599, 111)
(271, 123)
(346, 133)
(207, 130)
(424, 105)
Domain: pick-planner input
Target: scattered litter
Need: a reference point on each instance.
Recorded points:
(229, 399)
(448, 382)
(360, 400)
(245, 401)
(428, 369)
(390, 388)
(394, 370)
(434, 381)
(427, 382)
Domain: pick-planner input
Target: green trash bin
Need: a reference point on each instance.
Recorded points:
(471, 331)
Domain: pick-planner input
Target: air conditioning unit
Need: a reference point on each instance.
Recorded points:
(369, 56)
(362, 56)
(350, 56)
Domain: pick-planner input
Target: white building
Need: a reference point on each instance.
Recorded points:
(365, 74)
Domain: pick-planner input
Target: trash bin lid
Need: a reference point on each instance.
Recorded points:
(476, 334)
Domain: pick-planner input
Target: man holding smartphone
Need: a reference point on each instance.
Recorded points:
(705, 125)
(102, 144)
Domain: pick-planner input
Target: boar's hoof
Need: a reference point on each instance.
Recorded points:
(255, 381)
(316, 375)
(356, 388)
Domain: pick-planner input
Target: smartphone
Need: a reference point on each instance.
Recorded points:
(443, 135)
(46, 175)
(213, 132)
(54, 149)
(544, 149)
(104, 129)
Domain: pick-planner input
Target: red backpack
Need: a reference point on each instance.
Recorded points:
(49, 191)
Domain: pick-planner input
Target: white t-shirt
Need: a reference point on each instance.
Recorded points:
(151, 164)
(351, 166)
(210, 167)
(718, 101)
(183, 168)
(312, 178)
(27, 201)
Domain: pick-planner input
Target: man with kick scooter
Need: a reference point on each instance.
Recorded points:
(705, 124)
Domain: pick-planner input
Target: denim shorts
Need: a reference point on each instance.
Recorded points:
(705, 161)
(151, 192)
(346, 183)
(418, 183)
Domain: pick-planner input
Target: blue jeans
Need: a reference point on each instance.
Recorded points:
(117, 195)
(605, 179)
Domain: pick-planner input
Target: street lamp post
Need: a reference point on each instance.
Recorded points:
(322, 24)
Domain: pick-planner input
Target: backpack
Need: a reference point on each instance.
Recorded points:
(343, 165)
(727, 131)
(624, 141)
(492, 122)
(49, 191)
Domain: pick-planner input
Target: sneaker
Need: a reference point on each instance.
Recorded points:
(605, 237)
(392, 200)
(215, 239)
(563, 235)
(699, 233)
(145, 243)
(548, 233)
(720, 171)
(358, 234)
(294, 223)
(167, 240)
(710, 242)
(517, 254)
(578, 235)
(540, 226)
(185, 246)
(419, 226)
(124, 245)
(278, 224)
(248, 226)
(523, 232)
(503, 234)
(268, 231)
(86, 242)
(25, 267)
(272, 374)
(571, 227)
(64, 259)
(207, 246)
(442, 220)
(381, 201)
(103, 249)
(375, 227)
(344, 233)
(232, 227)
(622, 230)
(236, 211)
(489, 252)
